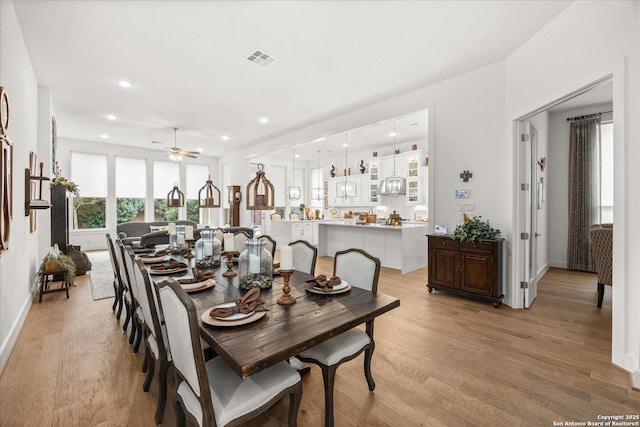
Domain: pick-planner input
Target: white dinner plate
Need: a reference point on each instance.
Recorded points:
(199, 286)
(234, 316)
(166, 272)
(341, 288)
(153, 259)
(228, 323)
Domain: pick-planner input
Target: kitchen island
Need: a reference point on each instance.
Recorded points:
(402, 247)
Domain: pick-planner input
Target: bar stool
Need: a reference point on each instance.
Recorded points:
(47, 277)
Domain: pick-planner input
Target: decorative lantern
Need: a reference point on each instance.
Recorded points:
(208, 249)
(260, 192)
(177, 241)
(211, 196)
(175, 198)
(255, 266)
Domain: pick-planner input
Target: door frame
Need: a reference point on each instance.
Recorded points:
(519, 217)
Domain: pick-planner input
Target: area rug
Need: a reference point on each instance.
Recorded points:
(101, 275)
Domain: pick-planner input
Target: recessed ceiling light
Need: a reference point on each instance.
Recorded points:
(322, 138)
(104, 136)
(124, 84)
(392, 134)
(264, 120)
(225, 138)
(345, 145)
(297, 156)
(199, 150)
(111, 117)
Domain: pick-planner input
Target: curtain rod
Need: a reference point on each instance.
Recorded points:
(587, 116)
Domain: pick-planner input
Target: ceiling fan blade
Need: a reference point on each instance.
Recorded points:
(192, 152)
(189, 155)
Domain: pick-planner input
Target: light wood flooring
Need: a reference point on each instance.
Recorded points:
(439, 360)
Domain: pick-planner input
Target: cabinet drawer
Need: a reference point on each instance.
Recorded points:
(443, 243)
(486, 247)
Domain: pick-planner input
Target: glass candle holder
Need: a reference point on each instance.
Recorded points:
(177, 241)
(208, 250)
(255, 266)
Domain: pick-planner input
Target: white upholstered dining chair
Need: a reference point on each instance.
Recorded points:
(134, 311)
(155, 345)
(211, 393)
(304, 256)
(361, 270)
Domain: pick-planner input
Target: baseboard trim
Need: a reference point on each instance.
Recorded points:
(543, 271)
(7, 346)
(558, 264)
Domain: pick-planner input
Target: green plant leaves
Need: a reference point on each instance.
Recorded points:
(475, 229)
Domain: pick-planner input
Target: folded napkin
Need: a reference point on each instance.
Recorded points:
(162, 252)
(320, 282)
(198, 276)
(246, 304)
(172, 264)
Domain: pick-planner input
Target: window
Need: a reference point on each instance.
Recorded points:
(165, 176)
(89, 171)
(197, 176)
(131, 189)
(606, 172)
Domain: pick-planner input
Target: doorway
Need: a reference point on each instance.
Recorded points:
(541, 217)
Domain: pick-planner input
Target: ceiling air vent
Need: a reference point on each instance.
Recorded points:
(261, 58)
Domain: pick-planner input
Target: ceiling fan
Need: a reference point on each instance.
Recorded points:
(175, 153)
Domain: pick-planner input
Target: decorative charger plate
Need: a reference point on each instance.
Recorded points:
(153, 259)
(341, 288)
(214, 321)
(143, 250)
(165, 272)
(199, 286)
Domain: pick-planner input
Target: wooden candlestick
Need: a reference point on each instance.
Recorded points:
(286, 298)
(230, 272)
(189, 244)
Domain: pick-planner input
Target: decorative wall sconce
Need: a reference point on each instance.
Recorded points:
(260, 192)
(211, 196)
(465, 175)
(175, 198)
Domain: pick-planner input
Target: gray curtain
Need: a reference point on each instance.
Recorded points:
(584, 190)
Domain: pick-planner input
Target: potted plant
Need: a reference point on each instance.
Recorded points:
(333, 171)
(362, 168)
(473, 229)
(53, 261)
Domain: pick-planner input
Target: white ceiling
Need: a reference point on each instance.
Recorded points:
(186, 61)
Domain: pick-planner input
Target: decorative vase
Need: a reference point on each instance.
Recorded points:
(208, 250)
(255, 266)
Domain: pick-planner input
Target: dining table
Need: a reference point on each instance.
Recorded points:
(285, 330)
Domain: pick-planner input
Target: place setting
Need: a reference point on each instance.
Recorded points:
(323, 286)
(144, 249)
(156, 257)
(244, 310)
(171, 267)
(201, 280)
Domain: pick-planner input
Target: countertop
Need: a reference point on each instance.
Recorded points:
(371, 225)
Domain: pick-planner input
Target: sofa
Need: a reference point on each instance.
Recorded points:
(129, 232)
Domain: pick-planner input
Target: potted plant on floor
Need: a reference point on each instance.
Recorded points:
(59, 261)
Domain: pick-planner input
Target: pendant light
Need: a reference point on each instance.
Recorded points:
(260, 192)
(175, 197)
(294, 190)
(317, 193)
(393, 185)
(211, 196)
(346, 189)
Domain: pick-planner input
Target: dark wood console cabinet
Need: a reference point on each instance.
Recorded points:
(60, 217)
(472, 269)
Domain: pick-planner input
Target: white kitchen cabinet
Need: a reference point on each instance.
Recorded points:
(285, 232)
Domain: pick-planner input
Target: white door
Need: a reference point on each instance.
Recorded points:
(529, 204)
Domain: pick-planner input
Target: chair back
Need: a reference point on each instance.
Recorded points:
(122, 267)
(239, 240)
(294, 216)
(304, 256)
(114, 261)
(183, 335)
(358, 268)
(602, 247)
(275, 216)
(270, 244)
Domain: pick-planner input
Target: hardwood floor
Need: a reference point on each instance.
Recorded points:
(439, 360)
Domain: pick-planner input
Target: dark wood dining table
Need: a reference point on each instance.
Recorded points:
(286, 330)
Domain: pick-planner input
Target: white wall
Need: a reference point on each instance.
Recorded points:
(588, 41)
(95, 239)
(558, 189)
(17, 265)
